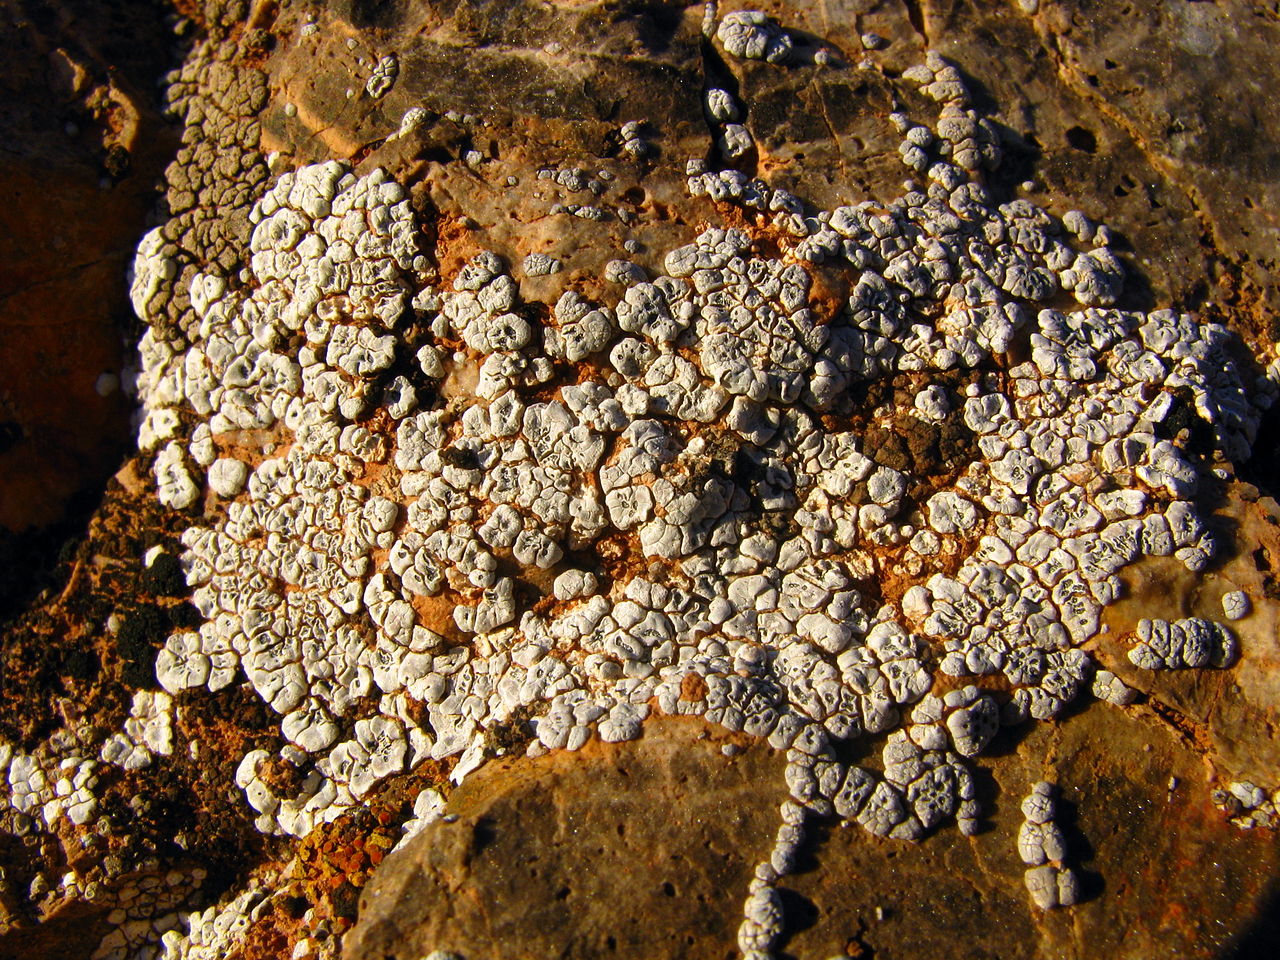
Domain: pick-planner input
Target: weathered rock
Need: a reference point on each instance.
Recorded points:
(631, 850)
(514, 126)
(626, 850)
(84, 142)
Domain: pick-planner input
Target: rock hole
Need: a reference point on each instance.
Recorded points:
(437, 155)
(1082, 139)
(563, 893)
(483, 834)
(668, 888)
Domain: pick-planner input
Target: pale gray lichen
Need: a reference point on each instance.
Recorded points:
(540, 265)
(634, 143)
(1043, 849)
(1249, 805)
(1235, 604)
(721, 105)
(735, 140)
(1193, 642)
(335, 260)
(752, 35)
(383, 76)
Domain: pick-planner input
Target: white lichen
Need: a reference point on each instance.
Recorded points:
(396, 573)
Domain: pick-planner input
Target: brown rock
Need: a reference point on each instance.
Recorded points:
(629, 850)
(1162, 873)
(645, 849)
(83, 144)
(1154, 117)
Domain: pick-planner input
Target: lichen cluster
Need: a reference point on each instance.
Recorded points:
(423, 509)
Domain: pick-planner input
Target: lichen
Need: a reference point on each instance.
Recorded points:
(419, 507)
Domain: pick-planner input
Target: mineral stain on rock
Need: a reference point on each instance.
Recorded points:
(598, 477)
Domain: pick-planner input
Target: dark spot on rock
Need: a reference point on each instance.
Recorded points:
(1082, 139)
(798, 911)
(888, 446)
(117, 161)
(143, 631)
(483, 834)
(460, 457)
(1262, 469)
(184, 616)
(512, 735)
(258, 42)
(67, 552)
(956, 442)
(922, 442)
(345, 900)
(10, 435)
(1183, 418)
(80, 664)
(163, 577)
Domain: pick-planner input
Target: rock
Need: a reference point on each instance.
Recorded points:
(622, 849)
(568, 855)
(494, 522)
(84, 144)
(1114, 771)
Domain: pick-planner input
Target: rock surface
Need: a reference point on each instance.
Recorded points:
(618, 849)
(84, 143)
(635, 849)
(1154, 117)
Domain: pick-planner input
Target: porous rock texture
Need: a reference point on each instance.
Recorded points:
(160, 801)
